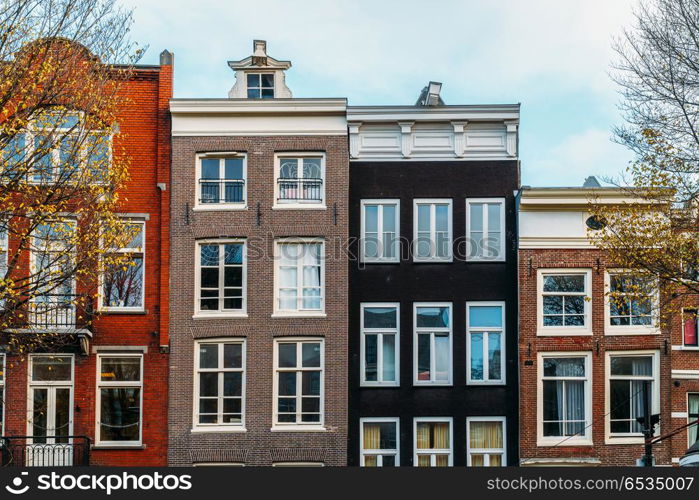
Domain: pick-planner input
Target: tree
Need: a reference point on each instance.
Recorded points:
(60, 173)
(654, 232)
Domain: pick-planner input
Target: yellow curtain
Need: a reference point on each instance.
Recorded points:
(477, 460)
(370, 461)
(372, 436)
(442, 460)
(441, 435)
(423, 436)
(486, 435)
(423, 460)
(496, 460)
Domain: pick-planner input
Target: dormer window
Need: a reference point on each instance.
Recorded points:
(260, 85)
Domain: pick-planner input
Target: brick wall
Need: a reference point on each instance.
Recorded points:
(258, 446)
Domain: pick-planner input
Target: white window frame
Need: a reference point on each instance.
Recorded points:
(484, 330)
(299, 204)
(503, 231)
(68, 384)
(221, 205)
(292, 426)
(543, 331)
(142, 251)
(381, 203)
(486, 451)
(260, 87)
(379, 452)
(221, 313)
(298, 313)
(219, 427)
(116, 384)
(579, 440)
(432, 330)
(689, 417)
(630, 438)
(433, 452)
(432, 202)
(380, 332)
(652, 329)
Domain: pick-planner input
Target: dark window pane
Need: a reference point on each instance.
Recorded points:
(120, 414)
(267, 80)
(370, 358)
(208, 405)
(575, 320)
(311, 383)
(208, 355)
(287, 355)
(209, 255)
(433, 317)
(233, 276)
(232, 405)
(564, 283)
(379, 317)
(210, 168)
(423, 357)
(253, 79)
(553, 320)
(232, 355)
(233, 168)
(233, 304)
(575, 304)
(553, 304)
(620, 400)
(232, 384)
(311, 355)
(208, 384)
(253, 93)
(209, 277)
(267, 93)
(287, 383)
(120, 369)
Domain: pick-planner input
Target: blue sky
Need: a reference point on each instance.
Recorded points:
(552, 56)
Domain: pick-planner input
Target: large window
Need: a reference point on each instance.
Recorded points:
(564, 398)
(631, 302)
(300, 180)
(221, 181)
(689, 328)
(693, 416)
(564, 302)
(221, 278)
(380, 231)
(260, 85)
(485, 327)
(380, 442)
(50, 404)
(120, 398)
(486, 441)
(300, 279)
(630, 375)
(219, 401)
(432, 341)
(380, 341)
(432, 221)
(298, 383)
(123, 283)
(485, 228)
(433, 442)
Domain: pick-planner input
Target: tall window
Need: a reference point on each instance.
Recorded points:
(300, 279)
(689, 328)
(50, 403)
(628, 373)
(379, 442)
(298, 383)
(432, 336)
(120, 398)
(221, 277)
(564, 302)
(221, 181)
(300, 179)
(630, 303)
(260, 85)
(433, 442)
(693, 416)
(565, 397)
(380, 344)
(380, 231)
(123, 283)
(220, 384)
(485, 331)
(485, 228)
(432, 221)
(486, 441)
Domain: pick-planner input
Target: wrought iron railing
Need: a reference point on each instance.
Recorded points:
(42, 451)
(221, 191)
(300, 189)
(59, 312)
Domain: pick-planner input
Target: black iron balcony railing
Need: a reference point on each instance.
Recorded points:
(301, 189)
(42, 451)
(55, 312)
(221, 191)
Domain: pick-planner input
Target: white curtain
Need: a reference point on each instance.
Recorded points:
(575, 406)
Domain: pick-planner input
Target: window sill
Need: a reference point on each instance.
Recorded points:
(685, 348)
(379, 385)
(490, 383)
(450, 260)
(432, 384)
(105, 446)
(123, 311)
(219, 429)
(298, 315)
(485, 261)
(220, 316)
(298, 428)
(624, 440)
(379, 261)
(630, 332)
(219, 207)
(556, 442)
(298, 206)
(563, 333)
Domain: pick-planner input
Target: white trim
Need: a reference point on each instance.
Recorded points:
(310, 313)
(299, 204)
(485, 330)
(432, 331)
(379, 452)
(220, 313)
(631, 438)
(679, 414)
(380, 332)
(486, 451)
(579, 440)
(541, 330)
(434, 451)
(685, 374)
(219, 427)
(298, 369)
(689, 418)
(198, 206)
(50, 386)
(486, 226)
(652, 329)
(137, 251)
(381, 203)
(432, 203)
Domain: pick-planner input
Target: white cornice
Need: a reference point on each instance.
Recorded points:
(258, 106)
(559, 198)
(490, 113)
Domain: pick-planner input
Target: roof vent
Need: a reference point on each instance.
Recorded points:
(430, 95)
(591, 182)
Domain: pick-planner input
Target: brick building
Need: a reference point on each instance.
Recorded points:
(584, 361)
(107, 385)
(259, 277)
(433, 301)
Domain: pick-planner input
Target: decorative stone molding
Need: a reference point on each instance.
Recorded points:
(297, 455)
(459, 138)
(353, 128)
(511, 137)
(218, 455)
(406, 129)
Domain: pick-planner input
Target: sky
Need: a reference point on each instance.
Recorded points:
(552, 56)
